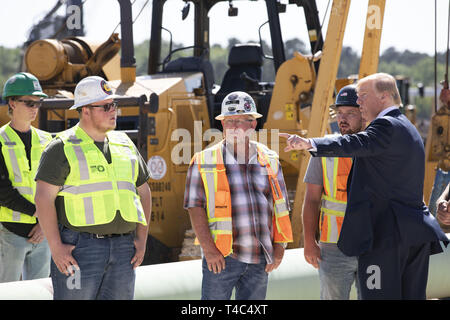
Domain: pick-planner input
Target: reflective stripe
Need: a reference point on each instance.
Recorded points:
(74, 140)
(25, 190)
(330, 168)
(221, 225)
(334, 206)
(88, 188)
(15, 166)
(82, 163)
(88, 210)
(333, 229)
(274, 188)
(211, 182)
(16, 216)
(208, 166)
(125, 185)
(138, 207)
(281, 206)
(12, 157)
(6, 138)
(43, 139)
(133, 169)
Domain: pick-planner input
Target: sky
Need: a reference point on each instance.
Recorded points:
(408, 24)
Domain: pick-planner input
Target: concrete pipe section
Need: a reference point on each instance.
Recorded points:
(295, 279)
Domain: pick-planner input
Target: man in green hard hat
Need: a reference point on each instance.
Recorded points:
(24, 252)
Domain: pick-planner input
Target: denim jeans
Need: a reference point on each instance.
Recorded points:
(19, 257)
(249, 280)
(337, 272)
(105, 269)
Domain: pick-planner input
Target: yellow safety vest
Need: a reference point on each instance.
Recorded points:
(218, 198)
(94, 189)
(19, 171)
(334, 197)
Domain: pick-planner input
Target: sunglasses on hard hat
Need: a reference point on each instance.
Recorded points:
(31, 103)
(106, 107)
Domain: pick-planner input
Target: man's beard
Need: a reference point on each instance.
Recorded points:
(349, 130)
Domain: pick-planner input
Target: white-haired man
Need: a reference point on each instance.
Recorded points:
(238, 205)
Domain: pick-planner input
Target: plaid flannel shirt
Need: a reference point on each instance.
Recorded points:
(252, 204)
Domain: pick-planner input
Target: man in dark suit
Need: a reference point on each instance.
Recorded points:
(386, 223)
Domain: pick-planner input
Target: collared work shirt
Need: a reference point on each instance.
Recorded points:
(251, 204)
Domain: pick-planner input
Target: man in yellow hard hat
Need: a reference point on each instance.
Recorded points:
(94, 201)
(24, 252)
(237, 201)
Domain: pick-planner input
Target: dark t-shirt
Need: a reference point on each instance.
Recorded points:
(11, 198)
(54, 169)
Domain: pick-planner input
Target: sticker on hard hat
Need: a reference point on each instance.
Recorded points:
(232, 102)
(233, 97)
(158, 167)
(36, 85)
(105, 87)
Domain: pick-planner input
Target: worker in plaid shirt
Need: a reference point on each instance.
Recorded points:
(242, 258)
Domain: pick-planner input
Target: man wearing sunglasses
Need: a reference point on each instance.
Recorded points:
(24, 252)
(237, 202)
(95, 202)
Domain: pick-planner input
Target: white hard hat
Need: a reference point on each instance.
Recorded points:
(238, 103)
(92, 89)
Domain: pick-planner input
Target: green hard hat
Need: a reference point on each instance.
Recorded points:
(22, 84)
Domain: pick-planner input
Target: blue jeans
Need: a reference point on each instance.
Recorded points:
(105, 269)
(250, 281)
(20, 257)
(337, 272)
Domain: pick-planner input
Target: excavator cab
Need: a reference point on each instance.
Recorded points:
(245, 60)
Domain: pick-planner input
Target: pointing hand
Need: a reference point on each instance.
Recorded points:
(295, 142)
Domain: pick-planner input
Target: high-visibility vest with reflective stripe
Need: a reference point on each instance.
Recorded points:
(334, 197)
(94, 189)
(19, 171)
(218, 197)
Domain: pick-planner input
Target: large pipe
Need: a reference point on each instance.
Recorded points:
(293, 280)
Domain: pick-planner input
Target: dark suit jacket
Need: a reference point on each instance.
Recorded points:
(385, 196)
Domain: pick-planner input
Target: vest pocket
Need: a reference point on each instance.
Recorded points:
(222, 204)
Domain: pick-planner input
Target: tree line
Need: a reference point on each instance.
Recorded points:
(418, 67)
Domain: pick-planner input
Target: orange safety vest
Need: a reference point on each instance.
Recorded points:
(218, 197)
(334, 197)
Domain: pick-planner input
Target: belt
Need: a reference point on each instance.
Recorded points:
(96, 235)
(105, 236)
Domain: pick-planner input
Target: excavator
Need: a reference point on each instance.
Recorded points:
(170, 112)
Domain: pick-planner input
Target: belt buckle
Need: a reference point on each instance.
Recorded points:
(99, 236)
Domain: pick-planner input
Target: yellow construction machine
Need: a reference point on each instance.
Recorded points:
(170, 112)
